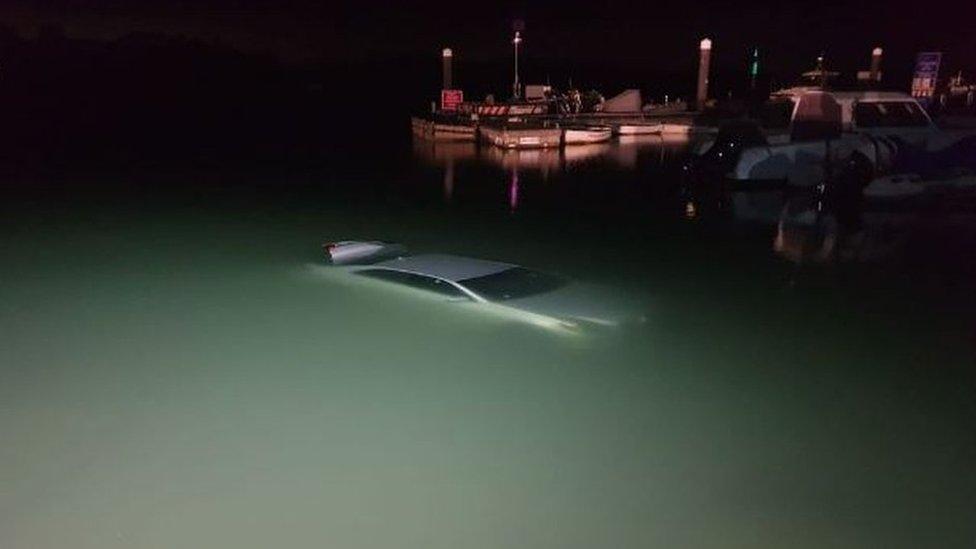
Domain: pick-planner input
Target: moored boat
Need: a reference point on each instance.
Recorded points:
(586, 134)
(637, 128)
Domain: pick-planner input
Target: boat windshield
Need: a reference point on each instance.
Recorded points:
(775, 115)
(512, 284)
(889, 114)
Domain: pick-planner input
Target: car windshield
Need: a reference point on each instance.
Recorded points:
(413, 280)
(512, 284)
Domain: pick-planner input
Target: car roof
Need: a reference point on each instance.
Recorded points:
(448, 267)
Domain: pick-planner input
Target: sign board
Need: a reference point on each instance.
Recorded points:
(926, 74)
(450, 99)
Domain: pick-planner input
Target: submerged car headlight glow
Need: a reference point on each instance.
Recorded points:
(567, 325)
(546, 322)
(535, 319)
(597, 321)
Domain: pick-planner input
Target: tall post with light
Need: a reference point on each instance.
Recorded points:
(704, 59)
(516, 88)
(875, 75)
(447, 58)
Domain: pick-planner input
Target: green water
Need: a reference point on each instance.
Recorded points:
(178, 369)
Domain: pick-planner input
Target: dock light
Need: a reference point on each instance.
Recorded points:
(706, 44)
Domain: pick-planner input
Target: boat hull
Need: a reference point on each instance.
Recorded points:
(582, 136)
(637, 129)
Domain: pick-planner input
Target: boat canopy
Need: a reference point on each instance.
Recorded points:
(626, 101)
(817, 116)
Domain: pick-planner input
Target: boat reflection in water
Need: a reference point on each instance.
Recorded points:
(624, 154)
(809, 230)
(847, 226)
(666, 146)
(541, 159)
(807, 234)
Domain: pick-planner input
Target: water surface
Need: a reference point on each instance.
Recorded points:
(179, 369)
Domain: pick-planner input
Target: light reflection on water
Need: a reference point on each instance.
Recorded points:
(621, 154)
(173, 373)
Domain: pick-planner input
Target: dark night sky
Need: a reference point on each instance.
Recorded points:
(651, 36)
(163, 97)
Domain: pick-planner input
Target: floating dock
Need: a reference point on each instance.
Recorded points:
(529, 132)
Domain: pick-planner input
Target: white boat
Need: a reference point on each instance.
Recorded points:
(858, 133)
(637, 128)
(584, 135)
(685, 128)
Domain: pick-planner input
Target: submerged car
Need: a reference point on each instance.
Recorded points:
(539, 298)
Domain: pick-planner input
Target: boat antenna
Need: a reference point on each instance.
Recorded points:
(754, 68)
(823, 71)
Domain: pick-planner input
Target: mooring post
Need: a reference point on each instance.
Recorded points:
(876, 64)
(704, 59)
(447, 57)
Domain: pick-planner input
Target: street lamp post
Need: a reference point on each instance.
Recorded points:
(515, 85)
